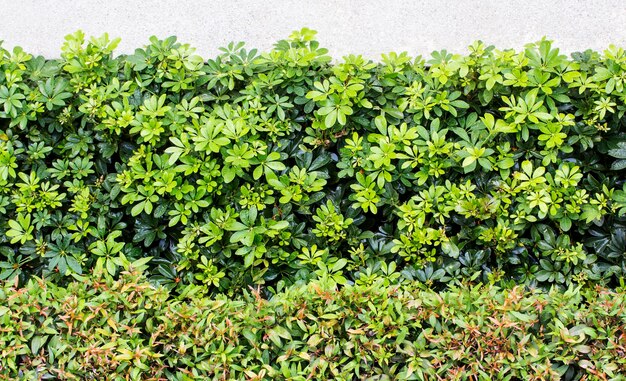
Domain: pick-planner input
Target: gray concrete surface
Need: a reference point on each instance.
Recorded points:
(345, 26)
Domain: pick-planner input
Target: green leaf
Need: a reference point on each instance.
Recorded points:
(276, 165)
(340, 264)
(381, 124)
(280, 225)
(450, 249)
(330, 119)
(618, 165)
(228, 173)
(248, 259)
(137, 209)
(565, 224)
(619, 152)
(258, 172)
(36, 343)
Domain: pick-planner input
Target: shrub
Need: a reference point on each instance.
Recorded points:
(283, 166)
(126, 329)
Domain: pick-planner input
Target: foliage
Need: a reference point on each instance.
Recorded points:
(269, 168)
(126, 329)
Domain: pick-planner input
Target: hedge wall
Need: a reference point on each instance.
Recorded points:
(126, 329)
(281, 166)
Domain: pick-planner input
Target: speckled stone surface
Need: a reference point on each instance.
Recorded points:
(345, 26)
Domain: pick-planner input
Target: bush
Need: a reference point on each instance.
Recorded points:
(282, 166)
(126, 329)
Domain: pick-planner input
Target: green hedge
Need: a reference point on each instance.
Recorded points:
(126, 329)
(283, 166)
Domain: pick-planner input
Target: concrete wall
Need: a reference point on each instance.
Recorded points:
(345, 26)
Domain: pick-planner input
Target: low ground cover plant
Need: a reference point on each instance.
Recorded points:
(126, 329)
